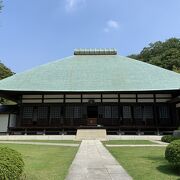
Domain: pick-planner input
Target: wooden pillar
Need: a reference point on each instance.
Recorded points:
(64, 111)
(20, 120)
(81, 119)
(48, 116)
(119, 112)
(9, 116)
(155, 114)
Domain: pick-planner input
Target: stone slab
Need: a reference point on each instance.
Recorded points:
(91, 134)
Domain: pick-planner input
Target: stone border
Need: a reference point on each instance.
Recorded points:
(134, 137)
(72, 137)
(136, 145)
(37, 137)
(39, 143)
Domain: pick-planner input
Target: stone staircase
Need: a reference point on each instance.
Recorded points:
(91, 134)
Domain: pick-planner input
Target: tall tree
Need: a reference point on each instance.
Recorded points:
(4, 71)
(164, 54)
(0, 5)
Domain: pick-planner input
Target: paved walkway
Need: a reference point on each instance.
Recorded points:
(39, 143)
(94, 162)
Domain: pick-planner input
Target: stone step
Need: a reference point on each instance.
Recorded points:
(91, 134)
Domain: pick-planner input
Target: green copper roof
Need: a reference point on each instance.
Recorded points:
(93, 73)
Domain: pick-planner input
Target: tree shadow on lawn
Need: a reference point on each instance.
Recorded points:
(169, 169)
(165, 167)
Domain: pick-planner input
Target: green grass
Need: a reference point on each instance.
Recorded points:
(45, 162)
(48, 141)
(144, 163)
(116, 142)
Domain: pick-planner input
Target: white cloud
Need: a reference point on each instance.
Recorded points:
(111, 24)
(72, 5)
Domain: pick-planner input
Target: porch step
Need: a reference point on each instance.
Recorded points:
(91, 134)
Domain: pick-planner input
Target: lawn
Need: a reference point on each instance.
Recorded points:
(116, 142)
(45, 162)
(144, 163)
(47, 141)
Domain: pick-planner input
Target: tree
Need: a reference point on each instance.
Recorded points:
(1, 5)
(4, 71)
(164, 54)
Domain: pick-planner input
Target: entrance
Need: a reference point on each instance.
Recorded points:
(92, 115)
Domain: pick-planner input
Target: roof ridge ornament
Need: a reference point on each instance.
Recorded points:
(95, 51)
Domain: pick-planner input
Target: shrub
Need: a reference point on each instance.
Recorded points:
(11, 164)
(169, 138)
(172, 153)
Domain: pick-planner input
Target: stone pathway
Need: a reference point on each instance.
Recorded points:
(39, 143)
(94, 162)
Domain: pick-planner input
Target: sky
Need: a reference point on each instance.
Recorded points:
(34, 32)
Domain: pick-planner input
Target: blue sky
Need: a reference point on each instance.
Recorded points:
(34, 32)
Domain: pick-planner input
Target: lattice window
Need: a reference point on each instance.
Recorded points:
(42, 112)
(28, 112)
(163, 111)
(127, 112)
(77, 112)
(107, 111)
(55, 112)
(101, 111)
(138, 112)
(73, 111)
(69, 112)
(114, 111)
(148, 112)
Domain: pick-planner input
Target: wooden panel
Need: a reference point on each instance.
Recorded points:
(163, 95)
(73, 96)
(145, 100)
(73, 100)
(53, 96)
(127, 95)
(110, 95)
(31, 96)
(127, 100)
(32, 101)
(109, 100)
(92, 121)
(87, 100)
(53, 100)
(145, 95)
(91, 95)
(162, 100)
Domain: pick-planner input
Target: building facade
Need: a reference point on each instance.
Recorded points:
(95, 88)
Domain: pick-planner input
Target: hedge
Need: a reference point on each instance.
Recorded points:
(169, 138)
(172, 153)
(11, 164)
